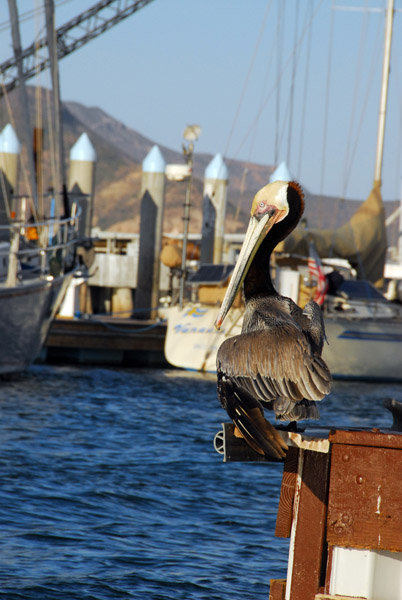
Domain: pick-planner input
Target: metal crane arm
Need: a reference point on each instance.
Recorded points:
(70, 36)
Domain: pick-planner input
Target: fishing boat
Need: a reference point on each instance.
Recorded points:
(363, 328)
(39, 231)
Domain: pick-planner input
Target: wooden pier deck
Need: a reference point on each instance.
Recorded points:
(106, 340)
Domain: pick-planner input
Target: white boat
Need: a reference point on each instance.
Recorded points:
(364, 332)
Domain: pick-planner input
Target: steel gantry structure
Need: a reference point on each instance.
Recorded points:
(69, 37)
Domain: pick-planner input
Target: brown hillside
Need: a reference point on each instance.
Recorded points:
(120, 152)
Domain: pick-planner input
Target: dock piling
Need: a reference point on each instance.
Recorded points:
(152, 207)
(81, 183)
(214, 210)
(10, 149)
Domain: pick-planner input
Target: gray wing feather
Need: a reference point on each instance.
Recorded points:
(275, 365)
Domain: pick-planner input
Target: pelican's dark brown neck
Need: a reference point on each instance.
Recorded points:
(258, 279)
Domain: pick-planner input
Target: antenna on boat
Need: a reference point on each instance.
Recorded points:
(384, 90)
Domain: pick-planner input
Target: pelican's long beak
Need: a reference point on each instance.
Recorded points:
(255, 234)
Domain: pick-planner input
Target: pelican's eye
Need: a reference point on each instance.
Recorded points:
(261, 204)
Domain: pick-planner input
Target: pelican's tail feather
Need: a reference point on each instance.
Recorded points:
(247, 414)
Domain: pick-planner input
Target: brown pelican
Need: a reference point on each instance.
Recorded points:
(276, 361)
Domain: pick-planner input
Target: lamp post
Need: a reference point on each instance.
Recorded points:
(191, 135)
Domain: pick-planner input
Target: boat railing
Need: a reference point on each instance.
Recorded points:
(362, 308)
(38, 249)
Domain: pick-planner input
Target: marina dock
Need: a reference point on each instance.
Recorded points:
(106, 340)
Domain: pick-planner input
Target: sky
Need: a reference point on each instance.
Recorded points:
(267, 81)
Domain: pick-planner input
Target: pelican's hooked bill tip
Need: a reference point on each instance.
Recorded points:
(218, 324)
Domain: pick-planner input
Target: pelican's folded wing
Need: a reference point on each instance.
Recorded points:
(275, 363)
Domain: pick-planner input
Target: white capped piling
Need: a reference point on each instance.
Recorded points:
(81, 182)
(214, 210)
(10, 149)
(281, 173)
(152, 206)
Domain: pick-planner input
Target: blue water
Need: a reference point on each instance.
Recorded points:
(110, 487)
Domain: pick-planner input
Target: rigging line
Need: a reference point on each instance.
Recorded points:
(353, 234)
(272, 90)
(305, 88)
(39, 125)
(326, 112)
(282, 128)
(51, 37)
(357, 80)
(245, 85)
(279, 79)
(29, 14)
(292, 87)
(24, 168)
(23, 99)
(375, 59)
(264, 88)
(398, 164)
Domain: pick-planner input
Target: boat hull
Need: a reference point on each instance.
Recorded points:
(26, 313)
(191, 338)
(365, 349)
(361, 349)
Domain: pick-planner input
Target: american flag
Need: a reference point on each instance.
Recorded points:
(317, 273)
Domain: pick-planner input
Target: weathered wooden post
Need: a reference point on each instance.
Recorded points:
(82, 180)
(214, 210)
(340, 506)
(152, 205)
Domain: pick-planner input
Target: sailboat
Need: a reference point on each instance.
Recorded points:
(37, 251)
(364, 329)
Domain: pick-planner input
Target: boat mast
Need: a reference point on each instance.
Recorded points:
(26, 126)
(384, 90)
(60, 178)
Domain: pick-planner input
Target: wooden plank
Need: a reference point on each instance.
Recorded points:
(277, 589)
(285, 508)
(364, 506)
(374, 437)
(309, 552)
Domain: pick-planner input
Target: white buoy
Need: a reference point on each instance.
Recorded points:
(152, 207)
(81, 183)
(214, 210)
